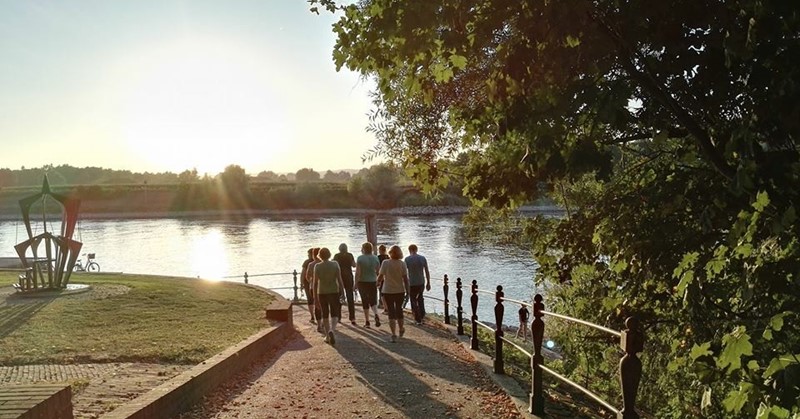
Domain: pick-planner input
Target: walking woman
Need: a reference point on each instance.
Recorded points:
(381, 257)
(393, 280)
(328, 286)
(306, 283)
(316, 314)
(367, 267)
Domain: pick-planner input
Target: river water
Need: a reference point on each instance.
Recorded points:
(224, 249)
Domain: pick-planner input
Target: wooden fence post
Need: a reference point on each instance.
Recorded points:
(459, 308)
(473, 300)
(537, 331)
(498, 333)
(446, 289)
(630, 367)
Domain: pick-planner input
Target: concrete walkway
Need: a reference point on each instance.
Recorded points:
(427, 373)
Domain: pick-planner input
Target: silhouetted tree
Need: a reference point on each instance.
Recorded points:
(306, 175)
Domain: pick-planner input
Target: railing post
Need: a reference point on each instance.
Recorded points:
(446, 289)
(245, 278)
(630, 367)
(459, 308)
(498, 333)
(296, 298)
(473, 301)
(537, 331)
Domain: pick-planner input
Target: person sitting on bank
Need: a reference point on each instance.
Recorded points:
(524, 315)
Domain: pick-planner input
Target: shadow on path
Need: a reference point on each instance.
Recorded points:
(425, 374)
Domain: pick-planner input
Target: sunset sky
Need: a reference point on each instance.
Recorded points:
(167, 85)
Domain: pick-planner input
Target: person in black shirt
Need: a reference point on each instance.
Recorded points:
(346, 264)
(382, 255)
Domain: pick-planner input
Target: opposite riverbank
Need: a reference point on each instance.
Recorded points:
(401, 211)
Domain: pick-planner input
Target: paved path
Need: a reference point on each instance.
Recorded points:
(97, 388)
(427, 373)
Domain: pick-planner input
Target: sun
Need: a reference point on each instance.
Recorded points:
(201, 103)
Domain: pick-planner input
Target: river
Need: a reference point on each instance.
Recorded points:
(223, 249)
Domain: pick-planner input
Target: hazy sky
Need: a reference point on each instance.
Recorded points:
(168, 85)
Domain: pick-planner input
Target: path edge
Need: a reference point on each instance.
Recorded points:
(511, 387)
(188, 388)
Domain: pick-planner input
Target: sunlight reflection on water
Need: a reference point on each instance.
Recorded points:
(215, 248)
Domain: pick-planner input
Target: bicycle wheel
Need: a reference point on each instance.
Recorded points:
(93, 267)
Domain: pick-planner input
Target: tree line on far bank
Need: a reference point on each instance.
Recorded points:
(70, 175)
(381, 186)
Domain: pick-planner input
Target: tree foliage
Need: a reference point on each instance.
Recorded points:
(670, 131)
(376, 187)
(340, 176)
(306, 175)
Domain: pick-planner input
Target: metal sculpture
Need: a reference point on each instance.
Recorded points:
(51, 267)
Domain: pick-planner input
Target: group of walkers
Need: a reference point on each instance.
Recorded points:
(327, 283)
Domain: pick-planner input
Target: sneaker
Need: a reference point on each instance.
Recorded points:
(319, 329)
(402, 331)
(419, 323)
(366, 325)
(312, 321)
(393, 339)
(377, 321)
(331, 339)
(327, 339)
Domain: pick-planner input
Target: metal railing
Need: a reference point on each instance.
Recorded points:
(631, 341)
(294, 287)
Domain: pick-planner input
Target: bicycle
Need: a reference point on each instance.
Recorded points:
(91, 265)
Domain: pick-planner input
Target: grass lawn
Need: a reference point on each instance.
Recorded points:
(129, 318)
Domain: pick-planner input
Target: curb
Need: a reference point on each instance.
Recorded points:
(187, 389)
(512, 388)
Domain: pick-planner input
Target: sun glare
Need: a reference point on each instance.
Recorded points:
(208, 259)
(201, 103)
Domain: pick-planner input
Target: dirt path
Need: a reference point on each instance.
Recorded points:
(427, 373)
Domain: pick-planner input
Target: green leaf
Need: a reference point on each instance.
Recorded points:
(687, 262)
(737, 398)
(772, 412)
(619, 266)
(735, 345)
(573, 41)
(441, 72)
(702, 350)
(744, 251)
(776, 322)
(762, 200)
(715, 266)
(686, 280)
(458, 61)
(780, 363)
(376, 10)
